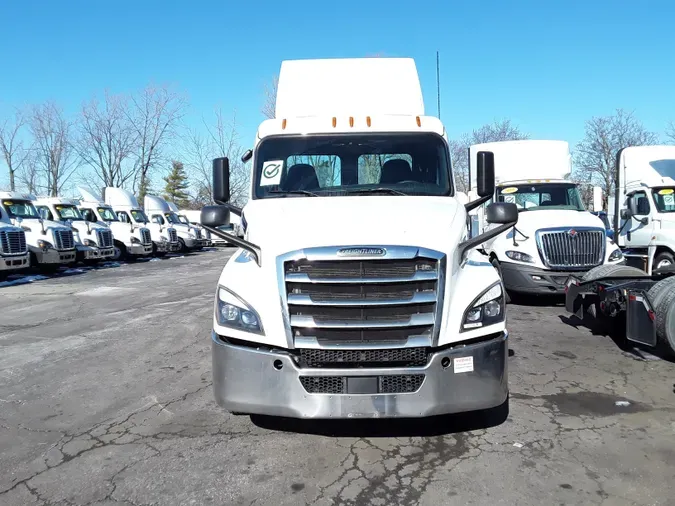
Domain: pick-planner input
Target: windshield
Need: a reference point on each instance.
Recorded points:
(531, 197)
(172, 217)
(68, 212)
(664, 199)
(351, 164)
(107, 214)
(139, 216)
(20, 209)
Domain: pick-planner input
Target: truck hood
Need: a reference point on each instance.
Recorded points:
(281, 225)
(531, 221)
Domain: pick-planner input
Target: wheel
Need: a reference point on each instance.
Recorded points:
(662, 298)
(183, 247)
(617, 271)
(120, 251)
(498, 268)
(663, 259)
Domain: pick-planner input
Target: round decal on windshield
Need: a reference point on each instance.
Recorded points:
(510, 189)
(666, 191)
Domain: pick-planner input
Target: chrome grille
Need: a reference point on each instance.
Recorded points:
(104, 238)
(198, 233)
(13, 242)
(173, 236)
(145, 236)
(64, 239)
(571, 248)
(363, 302)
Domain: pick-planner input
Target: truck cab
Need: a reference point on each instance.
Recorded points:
(94, 242)
(50, 244)
(188, 237)
(13, 247)
(182, 216)
(129, 241)
(356, 292)
(163, 239)
(555, 236)
(645, 206)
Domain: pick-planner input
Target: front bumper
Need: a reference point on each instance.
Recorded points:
(139, 249)
(162, 247)
(249, 380)
(8, 263)
(174, 246)
(53, 256)
(534, 280)
(91, 253)
(195, 243)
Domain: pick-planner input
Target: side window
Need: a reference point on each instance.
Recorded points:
(124, 217)
(44, 212)
(640, 204)
(158, 218)
(88, 214)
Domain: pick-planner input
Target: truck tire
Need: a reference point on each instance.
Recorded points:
(662, 297)
(619, 271)
(498, 268)
(663, 259)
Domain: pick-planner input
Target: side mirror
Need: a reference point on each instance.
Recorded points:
(502, 213)
(215, 216)
(644, 220)
(221, 181)
(485, 173)
(626, 214)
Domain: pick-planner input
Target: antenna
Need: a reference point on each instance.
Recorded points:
(438, 84)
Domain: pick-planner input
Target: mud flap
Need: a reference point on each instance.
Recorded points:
(575, 302)
(640, 318)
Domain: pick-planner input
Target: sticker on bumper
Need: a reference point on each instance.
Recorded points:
(463, 364)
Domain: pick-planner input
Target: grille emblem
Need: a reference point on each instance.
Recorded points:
(362, 252)
(572, 233)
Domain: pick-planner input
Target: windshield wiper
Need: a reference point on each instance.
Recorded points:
(390, 191)
(295, 192)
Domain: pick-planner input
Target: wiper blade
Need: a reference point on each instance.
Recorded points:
(390, 191)
(295, 192)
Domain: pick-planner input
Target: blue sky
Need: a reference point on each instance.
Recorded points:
(546, 65)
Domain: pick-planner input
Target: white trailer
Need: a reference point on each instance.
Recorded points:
(50, 244)
(158, 210)
(644, 212)
(555, 236)
(93, 242)
(356, 292)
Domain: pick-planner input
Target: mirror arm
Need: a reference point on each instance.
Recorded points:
(233, 209)
(474, 204)
(248, 246)
(464, 247)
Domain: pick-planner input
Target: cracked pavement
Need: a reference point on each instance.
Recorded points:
(105, 399)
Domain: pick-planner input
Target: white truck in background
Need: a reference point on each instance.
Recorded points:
(182, 215)
(94, 242)
(395, 314)
(50, 244)
(555, 236)
(194, 217)
(162, 238)
(159, 212)
(13, 247)
(644, 203)
(129, 241)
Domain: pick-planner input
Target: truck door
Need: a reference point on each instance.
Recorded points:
(639, 231)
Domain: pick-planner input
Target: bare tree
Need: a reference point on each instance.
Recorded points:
(55, 157)
(270, 100)
(670, 132)
(198, 155)
(12, 147)
(154, 117)
(108, 140)
(595, 154)
(497, 131)
(29, 174)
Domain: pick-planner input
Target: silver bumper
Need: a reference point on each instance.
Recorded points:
(162, 247)
(246, 380)
(174, 246)
(139, 249)
(53, 256)
(97, 253)
(13, 262)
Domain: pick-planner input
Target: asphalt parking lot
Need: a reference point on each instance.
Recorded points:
(105, 398)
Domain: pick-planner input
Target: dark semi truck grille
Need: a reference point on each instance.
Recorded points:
(393, 384)
(64, 239)
(12, 242)
(572, 248)
(343, 301)
(392, 357)
(105, 238)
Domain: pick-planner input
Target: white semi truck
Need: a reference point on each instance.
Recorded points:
(129, 241)
(13, 247)
(194, 217)
(164, 238)
(182, 215)
(556, 236)
(356, 291)
(93, 242)
(50, 244)
(160, 213)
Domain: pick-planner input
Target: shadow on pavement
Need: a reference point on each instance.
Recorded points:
(388, 427)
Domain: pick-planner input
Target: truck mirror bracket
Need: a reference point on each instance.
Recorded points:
(464, 247)
(242, 243)
(474, 204)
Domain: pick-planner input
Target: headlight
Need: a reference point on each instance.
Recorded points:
(192, 236)
(45, 245)
(90, 243)
(520, 257)
(233, 312)
(164, 239)
(135, 240)
(615, 256)
(487, 309)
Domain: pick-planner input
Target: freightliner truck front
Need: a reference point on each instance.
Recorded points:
(356, 292)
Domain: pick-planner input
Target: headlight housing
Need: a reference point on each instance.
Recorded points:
(135, 240)
(487, 309)
(233, 312)
(90, 243)
(520, 257)
(615, 256)
(45, 245)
